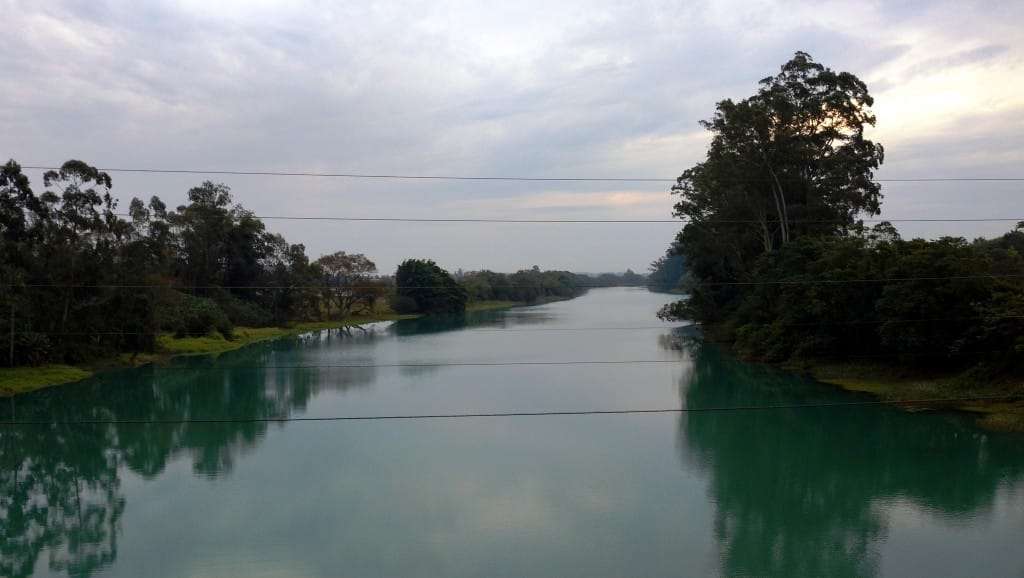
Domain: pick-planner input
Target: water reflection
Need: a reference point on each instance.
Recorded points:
(792, 492)
(60, 484)
(803, 492)
(488, 319)
(65, 499)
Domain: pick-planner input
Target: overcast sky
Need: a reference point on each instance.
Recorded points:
(544, 89)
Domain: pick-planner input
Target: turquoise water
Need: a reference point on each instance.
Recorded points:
(858, 491)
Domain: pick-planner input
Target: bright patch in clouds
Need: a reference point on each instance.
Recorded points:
(552, 89)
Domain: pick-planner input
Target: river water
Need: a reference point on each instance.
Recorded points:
(853, 491)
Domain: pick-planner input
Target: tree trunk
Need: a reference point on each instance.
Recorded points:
(12, 334)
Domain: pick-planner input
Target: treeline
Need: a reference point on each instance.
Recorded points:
(81, 280)
(525, 286)
(778, 261)
(872, 293)
(666, 273)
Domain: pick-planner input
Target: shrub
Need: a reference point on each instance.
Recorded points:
(186, 315)
(244, 313)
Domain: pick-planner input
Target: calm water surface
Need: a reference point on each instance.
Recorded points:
(862, 491)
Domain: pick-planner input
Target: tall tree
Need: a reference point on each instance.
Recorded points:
(794, 152)
(790, 161)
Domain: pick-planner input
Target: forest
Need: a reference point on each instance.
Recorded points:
(83, 281)
(783, 264)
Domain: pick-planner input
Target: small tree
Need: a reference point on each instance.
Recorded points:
(423, 287)
(350, 288)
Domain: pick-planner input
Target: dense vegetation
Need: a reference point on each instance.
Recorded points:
(779, 262)
(82, 281)
(666, 273)
(526, 286)
(423, 287)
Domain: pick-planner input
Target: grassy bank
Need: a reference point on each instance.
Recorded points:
(895, 383)
(215, 343)
(489, 305)
(24, 379)
(14, 381)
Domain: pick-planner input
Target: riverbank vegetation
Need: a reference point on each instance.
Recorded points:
(667, 272)
(86, 285)
(527, 286)
(781, 265)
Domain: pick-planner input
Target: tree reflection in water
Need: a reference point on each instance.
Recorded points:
(801, 492)
(60, 484)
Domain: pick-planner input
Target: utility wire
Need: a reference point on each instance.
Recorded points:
(674, 221)
(352, 175)
(551, 329)
(583, 286)
(678, 410)
(435, 364)
(358, 325)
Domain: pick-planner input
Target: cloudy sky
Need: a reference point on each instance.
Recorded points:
(545, 89)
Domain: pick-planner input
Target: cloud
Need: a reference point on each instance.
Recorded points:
(527, 88)
(607, 205)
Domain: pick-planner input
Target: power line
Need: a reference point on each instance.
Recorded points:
(582, 286)
(314, 329)
(620, 221)
(437, 364)
(884, 321)
(354, 175)
(677, 410)
(111, 333)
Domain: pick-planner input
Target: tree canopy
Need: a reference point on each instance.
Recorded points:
(82, 281)
(423, 287)
(779, 262)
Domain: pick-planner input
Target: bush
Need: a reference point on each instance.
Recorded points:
(244, 313)
(403, 305)
(423, 287)
(186, 315)
(30, 348)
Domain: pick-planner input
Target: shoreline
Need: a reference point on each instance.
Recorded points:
(888, 382)
(21, 380)
(891, 382)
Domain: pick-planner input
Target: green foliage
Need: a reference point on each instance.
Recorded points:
(196, 316)
(84, 283)
(242, 312)
(778, 263)
(666, 274)
(788, 162)
(423, 287)
(524, 286)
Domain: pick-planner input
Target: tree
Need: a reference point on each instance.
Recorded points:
(350, 287)
(790, 161)
(794, 152)
(81, 283)
(423, 287)
(666, 273)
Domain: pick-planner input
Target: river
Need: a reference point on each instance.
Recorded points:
(851, 491)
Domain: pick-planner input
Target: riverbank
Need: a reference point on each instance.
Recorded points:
(895, 383)
(492, 305)
(19, 380)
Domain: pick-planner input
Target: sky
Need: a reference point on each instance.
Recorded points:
(526, 88)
